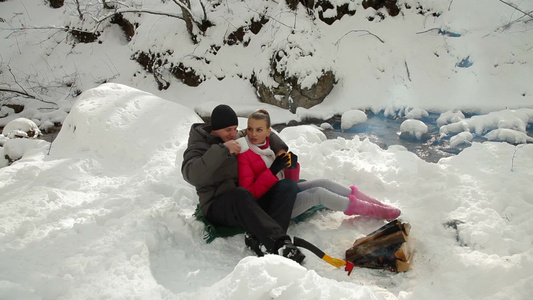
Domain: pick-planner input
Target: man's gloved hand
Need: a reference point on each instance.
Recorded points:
(280, 163)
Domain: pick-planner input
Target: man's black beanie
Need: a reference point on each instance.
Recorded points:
(223, 116)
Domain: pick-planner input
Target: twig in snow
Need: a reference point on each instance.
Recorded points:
(358, 30)
(420, 32)
(514, 155)
(407, 68)
(51, 142)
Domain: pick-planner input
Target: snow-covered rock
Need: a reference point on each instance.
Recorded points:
(21, 128)
(17, 148)
(305, 133)
(479, 124)
(464, 137)
(413, 129)
(351, 118)
(509, 135)
(416, 113)
(450, 116)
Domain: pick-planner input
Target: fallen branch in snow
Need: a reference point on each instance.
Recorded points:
(506, 26)
(358, 30)
(517, 8)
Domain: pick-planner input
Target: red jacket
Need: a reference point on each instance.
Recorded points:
(254, 174)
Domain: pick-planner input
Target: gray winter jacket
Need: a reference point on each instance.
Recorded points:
(209, 166)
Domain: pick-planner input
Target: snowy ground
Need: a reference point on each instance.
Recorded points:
(107, 215)
(103, 212)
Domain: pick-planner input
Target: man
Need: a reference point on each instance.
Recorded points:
(210, 165)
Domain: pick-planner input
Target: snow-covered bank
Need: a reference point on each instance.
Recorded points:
(435, 55)
(108, 215)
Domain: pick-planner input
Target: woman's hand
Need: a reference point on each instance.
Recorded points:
(281, 162)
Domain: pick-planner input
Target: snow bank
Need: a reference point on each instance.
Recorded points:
(116, 122)
(278, 278)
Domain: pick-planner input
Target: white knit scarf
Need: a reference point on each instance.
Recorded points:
(266, 154)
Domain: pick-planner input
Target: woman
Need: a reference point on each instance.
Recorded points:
(259, 169)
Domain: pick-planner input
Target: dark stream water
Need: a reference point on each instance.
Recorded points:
(385, 132)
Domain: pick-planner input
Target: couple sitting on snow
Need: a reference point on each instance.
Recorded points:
(249, 189)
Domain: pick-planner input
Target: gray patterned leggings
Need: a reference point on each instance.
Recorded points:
(321, 192)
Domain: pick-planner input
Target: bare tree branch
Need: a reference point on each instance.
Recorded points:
(23, 93)
(186, 10)
(203, 9)
(133, 10)
(79, 10)
(15, 79)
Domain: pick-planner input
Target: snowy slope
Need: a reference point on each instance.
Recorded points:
(108, 215)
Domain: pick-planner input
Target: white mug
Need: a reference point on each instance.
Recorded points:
(242, 142)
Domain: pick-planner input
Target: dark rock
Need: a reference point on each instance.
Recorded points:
(125, 25)
(290, 95)
(56, 3)
(390, 5)
(84, 36)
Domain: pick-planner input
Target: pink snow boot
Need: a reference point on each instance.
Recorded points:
(360, 195)
(363, 208)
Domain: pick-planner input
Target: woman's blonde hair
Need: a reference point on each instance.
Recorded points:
(261, 114)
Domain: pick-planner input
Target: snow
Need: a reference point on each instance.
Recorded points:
(104, 213)
(107, 215)
(506, 125)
